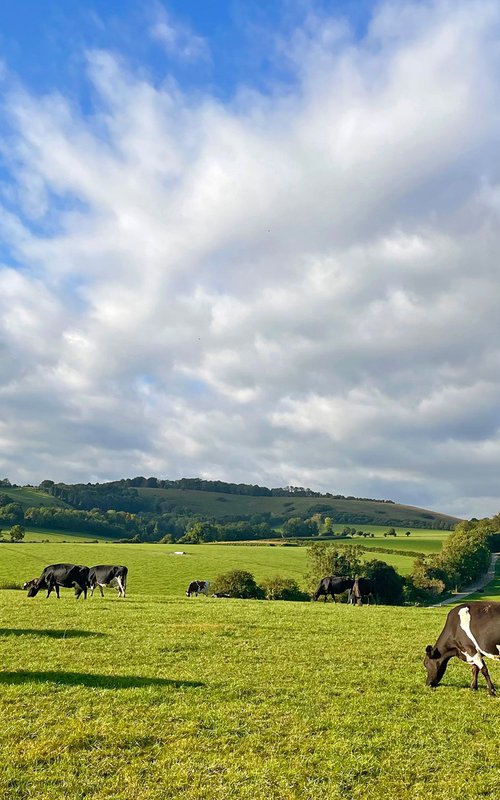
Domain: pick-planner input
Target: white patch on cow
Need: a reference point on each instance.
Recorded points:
(464, 615)
(121, 590)
(475, 659)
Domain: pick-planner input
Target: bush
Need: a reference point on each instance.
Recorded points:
(237, 583)
(279, 588)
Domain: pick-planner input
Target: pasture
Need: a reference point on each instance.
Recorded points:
(154, 568)
(157, 696)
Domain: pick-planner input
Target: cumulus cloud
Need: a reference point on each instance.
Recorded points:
(298, 287)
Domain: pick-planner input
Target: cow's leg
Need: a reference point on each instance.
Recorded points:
(57, 591)
(121, 592)
(475, 673)
(92, 587)
(486, 676)
(333, 598)
(101, 589)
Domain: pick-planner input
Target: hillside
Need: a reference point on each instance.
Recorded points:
(241, 502)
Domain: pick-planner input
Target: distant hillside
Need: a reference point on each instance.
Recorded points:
(29, 497)
(275, 508)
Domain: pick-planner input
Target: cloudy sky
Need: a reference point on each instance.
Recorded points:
(253, 241)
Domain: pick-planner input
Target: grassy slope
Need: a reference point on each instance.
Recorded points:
(154, 568)
(211, 504)
(28, 498)
(157, 698)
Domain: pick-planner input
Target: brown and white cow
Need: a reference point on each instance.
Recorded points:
(471, 631)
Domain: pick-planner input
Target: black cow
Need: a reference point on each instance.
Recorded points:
(471, 631)
(363, 587)
(57, 575)
(106, 574)
(27, 584)
(198, 587)
(332, 585)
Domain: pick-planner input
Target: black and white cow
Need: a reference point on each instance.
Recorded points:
(198, 587)
(27, 584)
(332, 585)
(106, 574)
(57, 575)
(363, 587)
(471, 631)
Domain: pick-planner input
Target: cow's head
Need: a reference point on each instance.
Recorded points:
(27, 584)
(435, 663)
(33, 588)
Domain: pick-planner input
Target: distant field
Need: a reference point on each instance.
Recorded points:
(153, 568)
(32, 497)
(220, 505)
(41, 534)
(164, 698)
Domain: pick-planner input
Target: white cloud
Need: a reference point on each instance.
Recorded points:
(289, 289)
(178, 39)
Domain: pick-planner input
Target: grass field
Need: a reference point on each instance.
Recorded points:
(44, 534)
(28, 497)
(154, 568)
(219, 505)
(157, 697)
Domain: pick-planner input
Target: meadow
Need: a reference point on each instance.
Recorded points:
(159, 696)
(154, 568)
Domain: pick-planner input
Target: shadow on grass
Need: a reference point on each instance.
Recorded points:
(95, 681)
(52, 633)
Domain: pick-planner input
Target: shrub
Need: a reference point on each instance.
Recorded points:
(237, 583)
(279, 588)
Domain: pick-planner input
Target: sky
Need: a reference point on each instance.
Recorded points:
(253, 241)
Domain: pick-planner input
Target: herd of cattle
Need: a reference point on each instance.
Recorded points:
(471, 631)
(81, 578)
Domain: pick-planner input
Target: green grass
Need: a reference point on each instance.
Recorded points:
(153, 567)
(158, 698)
(28, 497)
(219, 505)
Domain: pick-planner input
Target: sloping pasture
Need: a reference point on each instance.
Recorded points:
(157, 697)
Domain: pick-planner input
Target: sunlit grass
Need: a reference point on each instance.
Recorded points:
(157, 697)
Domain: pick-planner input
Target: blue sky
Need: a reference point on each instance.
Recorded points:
(254, 242)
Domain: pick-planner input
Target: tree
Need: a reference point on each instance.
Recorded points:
(391, 532)
(408, 533)
(17, 533)
(325, 559)
(295, 526)
(389, 583)
(237, 583)
(279, 588)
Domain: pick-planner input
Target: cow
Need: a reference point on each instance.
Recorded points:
(198, 587)
(106, 574)
(27, 584)
(363, 587)
(332, 585)
(471, 631)
(56, 575)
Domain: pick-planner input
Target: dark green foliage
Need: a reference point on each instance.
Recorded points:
(16, 533)
(326, 559)
(388, 581)
(280, 588)
(237, 583)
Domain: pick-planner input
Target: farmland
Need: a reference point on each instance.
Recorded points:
(153, 568)
(159, 696)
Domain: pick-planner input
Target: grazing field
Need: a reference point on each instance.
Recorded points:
(157, 697)
(154, 568)
(44, 534)
(220, 505)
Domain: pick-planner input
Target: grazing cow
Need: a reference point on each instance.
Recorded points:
(471, 631)
(27, 584)
(106, 574)
(198, 587)
(332, 585)
(57, 575)
(363, 587)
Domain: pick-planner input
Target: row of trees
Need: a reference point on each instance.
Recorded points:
(465, 557)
